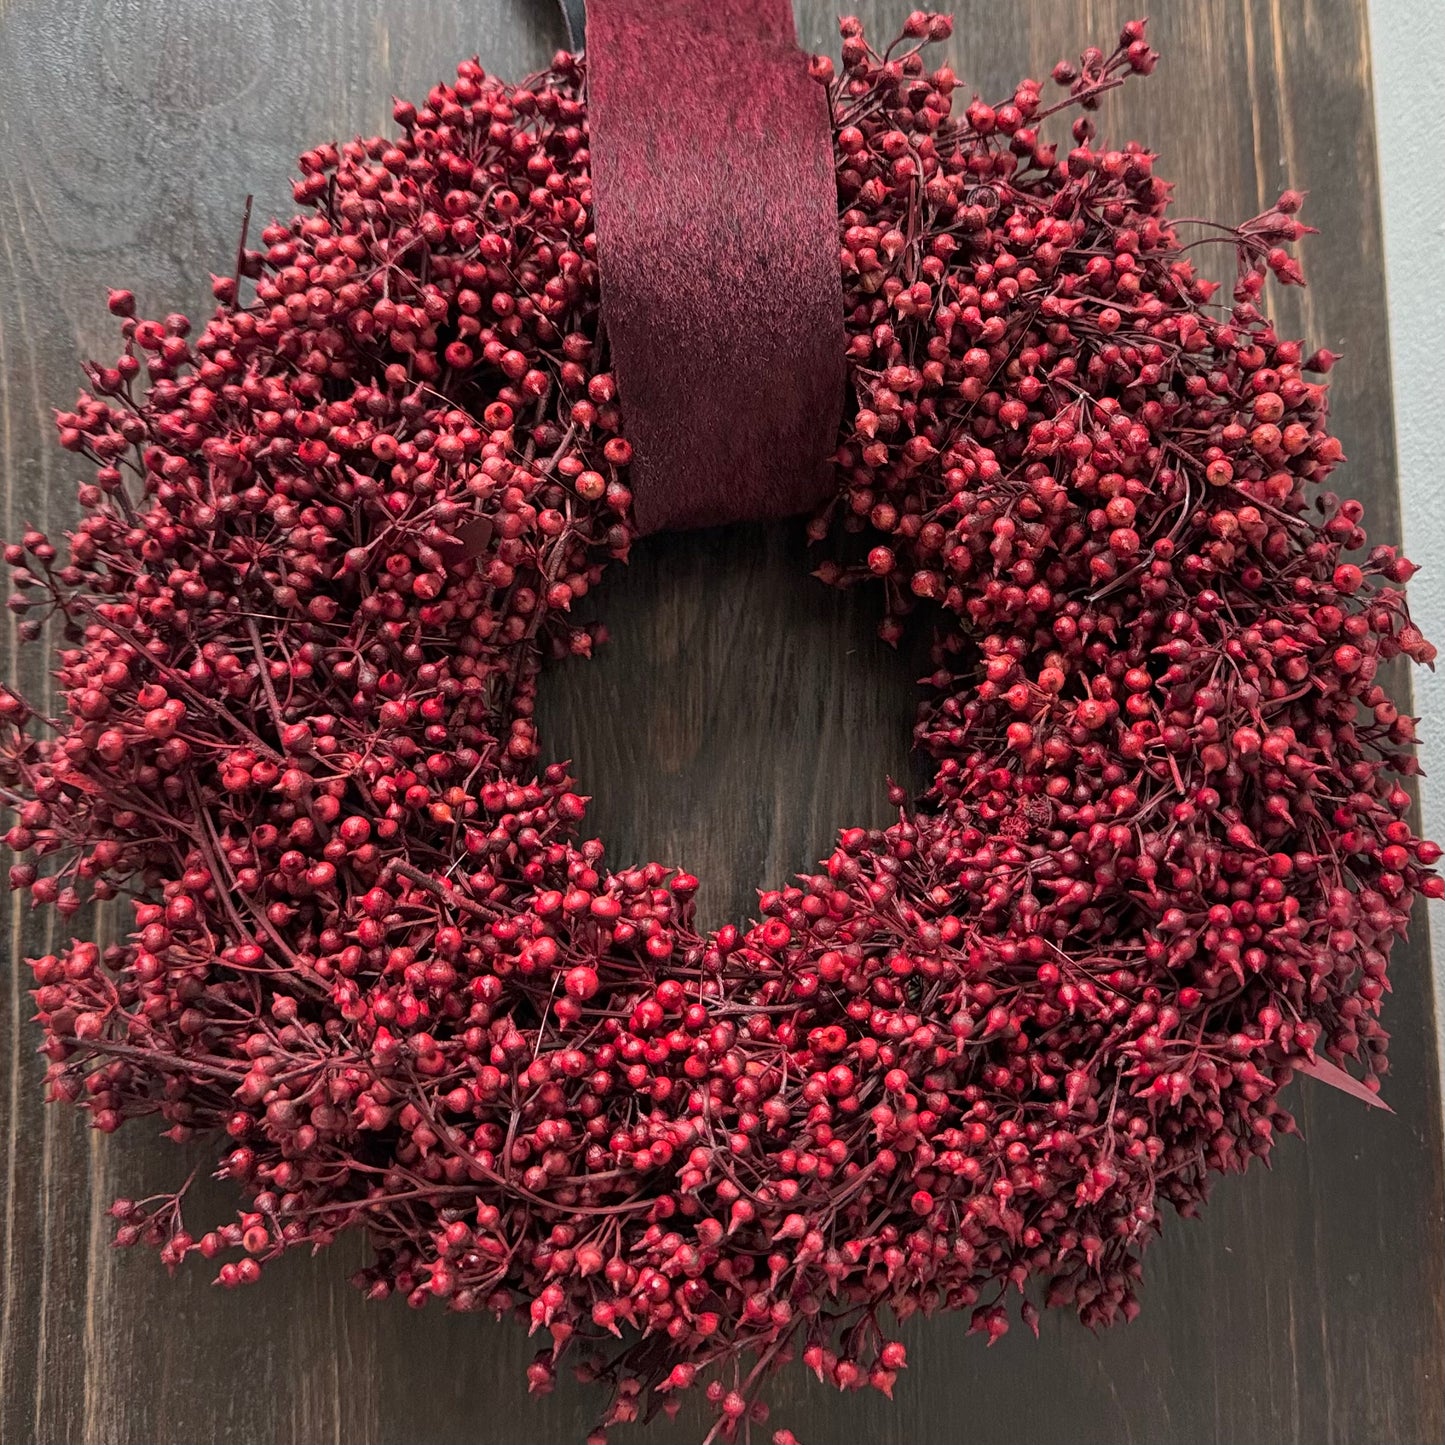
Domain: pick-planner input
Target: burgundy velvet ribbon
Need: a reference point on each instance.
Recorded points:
(717, 237)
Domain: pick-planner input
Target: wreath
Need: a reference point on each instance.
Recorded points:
(330, 540)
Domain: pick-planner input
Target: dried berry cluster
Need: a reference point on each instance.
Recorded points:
(328, 541)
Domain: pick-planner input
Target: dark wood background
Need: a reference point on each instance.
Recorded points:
(741, 714)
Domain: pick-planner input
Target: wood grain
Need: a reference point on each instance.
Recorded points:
(741, 714)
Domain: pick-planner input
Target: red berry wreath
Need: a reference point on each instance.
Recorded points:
(1160, 865)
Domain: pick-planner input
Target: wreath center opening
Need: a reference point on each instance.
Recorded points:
(739, 714)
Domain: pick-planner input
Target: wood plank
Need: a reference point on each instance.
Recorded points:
(741, 714)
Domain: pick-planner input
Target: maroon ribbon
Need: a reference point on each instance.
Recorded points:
(717, 237)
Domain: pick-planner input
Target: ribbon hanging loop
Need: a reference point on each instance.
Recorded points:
(715, 204)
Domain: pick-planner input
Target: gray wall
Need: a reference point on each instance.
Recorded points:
(1407, 40)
